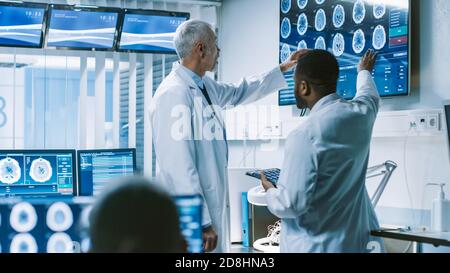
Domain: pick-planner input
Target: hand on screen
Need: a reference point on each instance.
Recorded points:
(368, 61)
(291, 62)
(209, 239)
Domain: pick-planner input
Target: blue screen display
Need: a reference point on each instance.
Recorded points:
(29, 173)
(149, 32)
(348, 29)
(190, 214)
(21, 26)
(82, 29)
(98, 169)
(44, 227)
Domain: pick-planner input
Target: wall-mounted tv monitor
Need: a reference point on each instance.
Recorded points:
(149, 31)
(22, 24)
(82, 28)
(348, 29)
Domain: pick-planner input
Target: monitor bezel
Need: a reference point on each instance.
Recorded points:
(148, 13)
(49, 151)
(446, 123)
(408, 82)
(44, 21)
(79, 152)
(52, 7)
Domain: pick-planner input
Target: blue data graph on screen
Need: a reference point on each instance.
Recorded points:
(190, 215)
(142, 32)
(21, 26)
(348, 29)
(29, 173)
(100, 168)
(82, 29)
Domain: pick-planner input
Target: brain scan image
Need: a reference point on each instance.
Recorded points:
(338, 45)
(59, 217)
(23, 243)
(359, 11)
(285, 28)
(321, 20)
(60, 243)
(359, 41)
(338, 16)
(379, 37)
(23, 217)
(320, 2)
(41, 170)
(302, 3)
(10, 171)
(285, 6)
(285, 53)
(320, 43)
(302, 24)
(379, 9)
(302, 45)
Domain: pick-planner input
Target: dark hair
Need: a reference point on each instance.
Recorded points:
(320, 69)
(138, 216)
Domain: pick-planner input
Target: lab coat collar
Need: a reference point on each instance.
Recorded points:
(180, 70)
(324, 102)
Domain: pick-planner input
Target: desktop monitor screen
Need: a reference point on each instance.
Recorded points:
(97, 168)
(45, 226)
(190, 214)
(150, 31)
(348, 29)
(22, 25)
(37, 173)
(82, 28)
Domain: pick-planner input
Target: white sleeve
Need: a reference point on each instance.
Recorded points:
(366, 91)
(175, 148)
(249, 89)
(297, 182)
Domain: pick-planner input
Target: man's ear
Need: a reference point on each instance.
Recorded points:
(304, 89)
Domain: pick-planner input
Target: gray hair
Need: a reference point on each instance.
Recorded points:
(189, 33)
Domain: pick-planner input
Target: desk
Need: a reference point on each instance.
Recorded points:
(434, 238)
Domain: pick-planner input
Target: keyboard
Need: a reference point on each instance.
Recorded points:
(271, 174)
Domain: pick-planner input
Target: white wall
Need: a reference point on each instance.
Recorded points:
(249, 42)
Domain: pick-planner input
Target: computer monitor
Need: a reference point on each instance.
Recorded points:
(22, 24)
(82, 28)
(348, 29)
(98, 168)
(44, 226)
(150, 31)
(447, 118)
(37, 173)
(190, 215)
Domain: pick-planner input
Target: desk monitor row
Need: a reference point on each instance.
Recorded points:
(53, 173)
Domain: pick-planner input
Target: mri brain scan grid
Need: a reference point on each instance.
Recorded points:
(348, 29)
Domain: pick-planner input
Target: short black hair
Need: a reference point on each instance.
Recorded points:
(319, 68)
(135, 214)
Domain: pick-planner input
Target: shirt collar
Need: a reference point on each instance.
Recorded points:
(196, 78)
(324, 102)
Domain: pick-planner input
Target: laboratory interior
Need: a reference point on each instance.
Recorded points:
(225, 126)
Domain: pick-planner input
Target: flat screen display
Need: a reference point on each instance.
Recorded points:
(21, 26)
(82, 29)
(348, 29)
(150, 32)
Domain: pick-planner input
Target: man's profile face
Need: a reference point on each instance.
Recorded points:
(211, 59)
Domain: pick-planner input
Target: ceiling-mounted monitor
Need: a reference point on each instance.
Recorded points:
(348, 29)
(150, 31)
(22, 24)
(82, 28)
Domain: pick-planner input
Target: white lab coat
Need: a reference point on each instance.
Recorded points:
(321, 196)
(196, 163)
